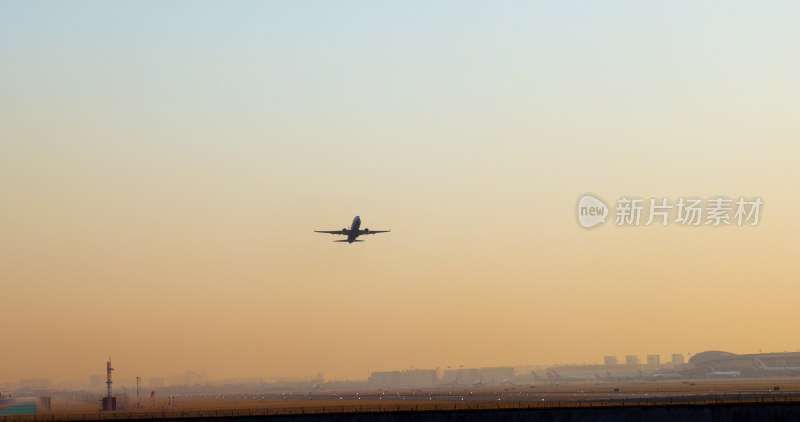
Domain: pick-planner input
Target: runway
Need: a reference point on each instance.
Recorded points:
(671, 396)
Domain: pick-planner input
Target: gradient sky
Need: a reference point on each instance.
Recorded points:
(163, 165)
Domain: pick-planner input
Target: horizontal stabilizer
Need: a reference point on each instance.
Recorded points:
(347, 241)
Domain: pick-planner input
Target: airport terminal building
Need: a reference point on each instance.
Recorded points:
(746, 364)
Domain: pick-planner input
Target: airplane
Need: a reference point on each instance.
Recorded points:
(766, 368)
(553, 375)
(639, 375)
(658, 375)
(714, 373)
(620, 377)
(353, 232)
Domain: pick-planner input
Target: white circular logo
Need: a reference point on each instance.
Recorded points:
(591, 211)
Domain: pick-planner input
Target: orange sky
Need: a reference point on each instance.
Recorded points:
(159, 189)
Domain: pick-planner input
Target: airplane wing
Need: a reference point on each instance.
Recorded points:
(368, 231)
(342, 232)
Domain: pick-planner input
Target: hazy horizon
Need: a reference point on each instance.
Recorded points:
(127, 377)
(163, 167)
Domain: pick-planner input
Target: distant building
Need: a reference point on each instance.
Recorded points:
(654, 361)
(35, 384)
(461, 376)
(677, 359)
(465, 376)
(187, 378)
(383, 378)
(418, 378)
(631, 360)
(746, 364)
(156, 383)
(610, 360)
(496, 374)
(8, 385)
(410, 378)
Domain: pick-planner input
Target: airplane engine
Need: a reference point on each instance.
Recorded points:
(344, 231)
(366, 231)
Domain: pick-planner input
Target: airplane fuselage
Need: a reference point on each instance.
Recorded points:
(714, 373)
(353, 233)
(766, 368)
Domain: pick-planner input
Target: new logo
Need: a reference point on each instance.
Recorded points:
(591, 211)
